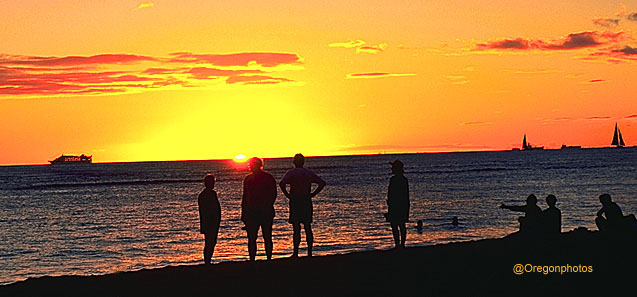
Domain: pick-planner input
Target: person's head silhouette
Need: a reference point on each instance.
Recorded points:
(255, 164)
(605, 199)
(397, 167)
(299, 160)
(209, 181)
(531, 200)
(551, 200)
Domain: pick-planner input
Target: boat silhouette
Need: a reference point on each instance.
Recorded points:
(527, 146)
(69, 159)
(618, 140)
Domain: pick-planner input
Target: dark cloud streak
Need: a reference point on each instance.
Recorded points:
(570, 42)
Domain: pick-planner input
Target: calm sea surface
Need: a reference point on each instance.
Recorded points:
(103, 218)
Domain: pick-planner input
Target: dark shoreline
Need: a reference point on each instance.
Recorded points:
(474, 268)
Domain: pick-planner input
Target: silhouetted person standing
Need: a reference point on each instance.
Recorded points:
(257, 207)
(552, 217)
(300, 180)
(615, 219)
(398, 203)
(209, 216)
(530, 222)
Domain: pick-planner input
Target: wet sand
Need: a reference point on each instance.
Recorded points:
(475, 268)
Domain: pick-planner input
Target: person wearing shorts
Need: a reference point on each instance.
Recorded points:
(300, 197)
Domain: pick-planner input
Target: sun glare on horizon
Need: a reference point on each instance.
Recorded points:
(240, 158)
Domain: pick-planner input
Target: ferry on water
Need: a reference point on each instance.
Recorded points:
(83, 159)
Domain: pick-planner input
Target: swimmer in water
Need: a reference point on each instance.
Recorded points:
(454, 222)
(419, 226)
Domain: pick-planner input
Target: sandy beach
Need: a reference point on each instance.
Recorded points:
(592, 263)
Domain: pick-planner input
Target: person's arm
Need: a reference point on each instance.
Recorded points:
(283, 184)
(601, 211)
(200, 208)
(390, 190)
(284, 189)
(521, 208)
(244, 198)
(321, 184)
(272, 191)
(407, 194)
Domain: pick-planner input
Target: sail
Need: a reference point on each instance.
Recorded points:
(621, 139)
(524, 145)
(616, 136)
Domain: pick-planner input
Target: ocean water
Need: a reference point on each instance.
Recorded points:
(104, 218)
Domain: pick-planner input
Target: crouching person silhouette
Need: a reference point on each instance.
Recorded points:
(615, 219)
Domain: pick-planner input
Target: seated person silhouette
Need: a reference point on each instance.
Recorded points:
(615, 219)
(552, 217)
(419, 226)
(529, 223)
(454, 221)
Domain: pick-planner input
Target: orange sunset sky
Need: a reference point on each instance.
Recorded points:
(179, 80)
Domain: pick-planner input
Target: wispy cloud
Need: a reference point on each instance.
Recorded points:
(606, 22)
(458, 79)
(256, 80)
(538, 71)
(238, 59)
(406, 148)
(621, 10)
(615, 55)
(361, 46)
(590, 118)
(377, 75)
(476, 123)
(120, 73)
(627, 50)
(348, 44)
(572, 41)
(145, 5)
(102, 59)
(372, 49)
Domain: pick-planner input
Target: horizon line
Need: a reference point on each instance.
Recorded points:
(318, 156)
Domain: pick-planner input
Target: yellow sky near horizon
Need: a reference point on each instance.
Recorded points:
(182, 80)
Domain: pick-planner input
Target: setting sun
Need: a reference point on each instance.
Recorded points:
(240, 158)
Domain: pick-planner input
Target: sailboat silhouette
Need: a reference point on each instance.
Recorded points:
(526, 146)
(618, 140)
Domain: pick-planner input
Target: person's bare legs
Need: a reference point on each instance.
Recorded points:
(296, 238)
(210, 240)
(403, 234)
(252, 231)
(396, 234)
(206, 249)
(266, 229)
(309, 237)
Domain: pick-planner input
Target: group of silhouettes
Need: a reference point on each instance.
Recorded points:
(548, 222)
(259, 195)
(257, 206)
